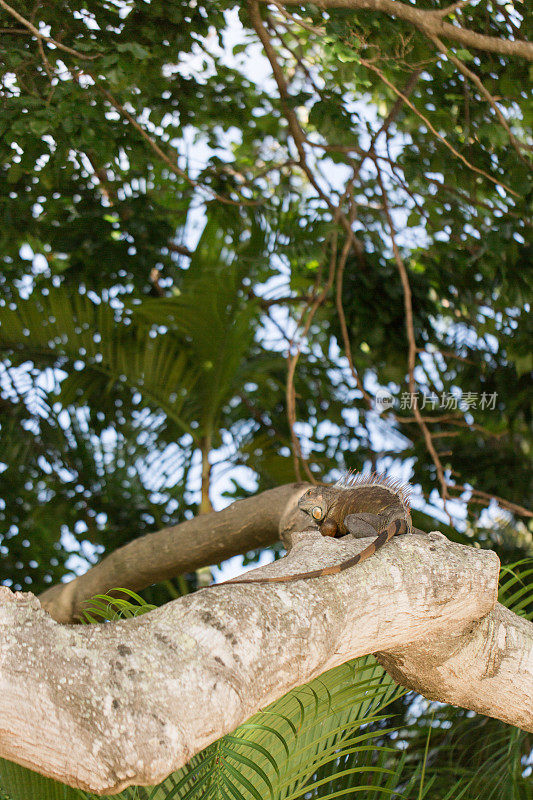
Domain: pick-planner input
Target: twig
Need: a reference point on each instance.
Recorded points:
(409, 325)
(395, 110)
(159, 152)
(305, 25)
(486, 94)
(278, 301)
(342, 317)
(294, 126)
(445, 353)
(46, 63)
(450, 147)
(293, 360)
(444, 12)
(41, 36)
(474, 201)
(173, 247)
(520, 510)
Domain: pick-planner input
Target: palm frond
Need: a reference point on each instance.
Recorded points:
(218, 339)
(20, 783)
(290, 749)
(66, 330)
(516, 587)
(102, 607)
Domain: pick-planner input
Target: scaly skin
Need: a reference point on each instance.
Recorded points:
(355, 497)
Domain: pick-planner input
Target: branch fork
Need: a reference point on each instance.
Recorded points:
(185, 674)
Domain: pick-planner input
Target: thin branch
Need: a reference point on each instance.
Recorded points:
(445, 12)
(279, 301)
(397, 107)
(445, 353)
(173, 247)
(158, 151)
(431, 22)
(393, 113)
(450, 147)
(296, 131)
(41, 36)
(294, 126)
(46, 63)
(342, 316)
(292, 361)
(311, 28)
(473, 200)
(518, 146)
(299, 139)
(520, 510)
(15, 31)
(409, 325)
(154, 276)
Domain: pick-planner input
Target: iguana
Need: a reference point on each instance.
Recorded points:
(357, 504)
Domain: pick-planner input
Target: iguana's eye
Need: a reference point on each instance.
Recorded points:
(317, 513)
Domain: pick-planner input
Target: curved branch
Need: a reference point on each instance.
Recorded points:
(433, 130)
(431, 23)
(160, 153)
(469, 75)
(187, 673)
(498, 654)
(410, 333)
(41, 37)
(199, 542)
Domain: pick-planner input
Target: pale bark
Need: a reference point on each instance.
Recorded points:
(131, 701)
(498, 654)
(207, 539)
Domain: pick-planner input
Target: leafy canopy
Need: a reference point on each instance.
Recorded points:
(192, 191)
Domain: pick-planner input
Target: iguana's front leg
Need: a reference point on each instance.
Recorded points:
(364, 524)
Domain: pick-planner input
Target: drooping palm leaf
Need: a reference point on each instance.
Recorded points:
(67, 330)
(213, 314)
(516, 587)
(20, 783)
(285, 751)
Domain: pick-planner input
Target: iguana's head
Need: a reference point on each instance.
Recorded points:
(316, 503)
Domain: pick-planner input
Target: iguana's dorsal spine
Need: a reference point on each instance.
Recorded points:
(352, 479)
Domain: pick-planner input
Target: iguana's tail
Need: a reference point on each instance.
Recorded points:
(396, 528)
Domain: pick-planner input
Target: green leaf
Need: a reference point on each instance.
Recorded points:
(137, 51)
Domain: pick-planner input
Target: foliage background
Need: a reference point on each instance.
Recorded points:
(225, 230)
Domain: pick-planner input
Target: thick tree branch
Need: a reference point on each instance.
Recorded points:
(256, 522)
(499, 654)
(431, 23)
(180, 677)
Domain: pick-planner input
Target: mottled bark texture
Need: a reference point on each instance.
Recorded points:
(131, 701)
(207, 539)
